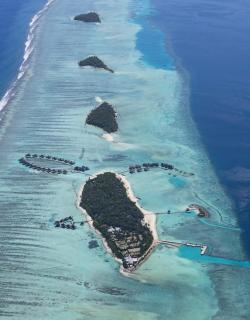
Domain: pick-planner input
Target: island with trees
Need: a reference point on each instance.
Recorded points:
(106, 200)
(104, 117)
(88, 17)
(95, 62)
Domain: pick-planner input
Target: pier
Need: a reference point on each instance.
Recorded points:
(173, 244)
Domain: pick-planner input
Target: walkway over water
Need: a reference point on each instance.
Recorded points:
(197, 252)
(193, 253)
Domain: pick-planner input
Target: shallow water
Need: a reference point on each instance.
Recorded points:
(54, 273)
(194, 254)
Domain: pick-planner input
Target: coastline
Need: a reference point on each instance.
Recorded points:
(27, 54)
(149, 218)
(108, 137)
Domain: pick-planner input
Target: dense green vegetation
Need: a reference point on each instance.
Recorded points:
(105, 200)
(103, 117)
(88, 17)
(94, 62)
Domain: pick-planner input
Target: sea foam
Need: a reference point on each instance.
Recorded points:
(28, 50)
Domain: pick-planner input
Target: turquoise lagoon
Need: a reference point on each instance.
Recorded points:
(48, 273)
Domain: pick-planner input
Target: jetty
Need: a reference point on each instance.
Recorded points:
(173, 244)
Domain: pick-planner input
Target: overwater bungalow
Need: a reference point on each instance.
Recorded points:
(57, 224)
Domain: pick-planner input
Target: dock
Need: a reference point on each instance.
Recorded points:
(173, 244)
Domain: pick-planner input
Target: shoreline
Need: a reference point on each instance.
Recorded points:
(90, 222)
(149, 218)
(27, 54)
(108, 137)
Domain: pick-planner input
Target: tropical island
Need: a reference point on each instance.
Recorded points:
(88, 17)
(95, 62)
(104, 117)
(113, 211)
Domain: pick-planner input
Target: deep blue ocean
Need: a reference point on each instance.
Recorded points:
(15, 16)
(209, 43)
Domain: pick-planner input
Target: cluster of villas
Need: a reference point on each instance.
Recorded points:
(28, 161)
(148, 166)
(152, 165)
(66, 223)
(199, 210)
(129, 246)
(48, 157)
(81, 169)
